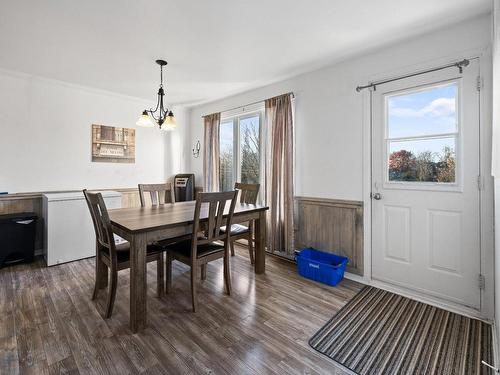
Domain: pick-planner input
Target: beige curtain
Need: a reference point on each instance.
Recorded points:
(211, 152)
(279, 174)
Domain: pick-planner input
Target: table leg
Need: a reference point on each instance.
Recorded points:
(260, 243)
(138, 283)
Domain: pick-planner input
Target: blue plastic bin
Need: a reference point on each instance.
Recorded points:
(326, 268)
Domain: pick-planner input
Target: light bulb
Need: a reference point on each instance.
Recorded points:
(170, 120)
(145, 120)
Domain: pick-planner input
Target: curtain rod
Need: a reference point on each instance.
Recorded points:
(459, 64)
(256, 102)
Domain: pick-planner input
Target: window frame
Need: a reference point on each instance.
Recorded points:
(236, 118)
(457, 135)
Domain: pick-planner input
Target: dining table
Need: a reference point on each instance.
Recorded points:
(142, 226)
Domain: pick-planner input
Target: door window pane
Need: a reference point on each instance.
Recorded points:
(430, 111)
(424, 160)
(422, 134)
(250, 150)
(226, 156)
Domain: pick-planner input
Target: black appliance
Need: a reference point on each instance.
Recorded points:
(17, 238)
(184, 187)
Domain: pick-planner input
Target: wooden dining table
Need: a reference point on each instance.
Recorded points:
(144, 225)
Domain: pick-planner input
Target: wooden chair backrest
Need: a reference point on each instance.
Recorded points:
(216, 205)
(100, 218)
(249, 192)
(160, 193)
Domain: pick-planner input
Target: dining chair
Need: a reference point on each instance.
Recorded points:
(198, 251)
(159, 193)
(113, 256)
(248, 195)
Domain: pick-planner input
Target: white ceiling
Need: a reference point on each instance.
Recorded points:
(214, 48)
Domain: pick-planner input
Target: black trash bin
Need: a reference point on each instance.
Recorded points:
(17, 238)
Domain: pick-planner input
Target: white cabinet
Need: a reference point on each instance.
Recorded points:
(68, 231)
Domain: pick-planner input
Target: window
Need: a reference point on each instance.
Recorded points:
(250, 150)
(226, 163)
(240, 149)
(422, 135)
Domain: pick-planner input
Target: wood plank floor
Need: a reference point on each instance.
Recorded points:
(49, 325)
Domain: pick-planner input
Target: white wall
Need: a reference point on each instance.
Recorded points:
(329, 112)
(332, 127)
(45, 138)
(177, 148)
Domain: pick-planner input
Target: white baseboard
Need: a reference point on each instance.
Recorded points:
(358, 278)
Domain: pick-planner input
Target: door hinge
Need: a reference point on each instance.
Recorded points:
(479, 182)
(479, 83)
(481, 281)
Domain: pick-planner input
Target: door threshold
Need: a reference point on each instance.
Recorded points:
(417, 296)
(431, 300)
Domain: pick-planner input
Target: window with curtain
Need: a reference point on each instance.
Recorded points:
(241, 151)
(249, 151)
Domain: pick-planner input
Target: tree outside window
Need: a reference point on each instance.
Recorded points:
(240, 150)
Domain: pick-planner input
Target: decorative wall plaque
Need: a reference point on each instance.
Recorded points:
(113, 145)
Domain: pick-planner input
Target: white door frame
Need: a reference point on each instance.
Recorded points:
(486, 311)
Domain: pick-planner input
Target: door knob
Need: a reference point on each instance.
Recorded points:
(377, 196)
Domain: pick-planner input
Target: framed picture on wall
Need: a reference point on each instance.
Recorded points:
(113, 145)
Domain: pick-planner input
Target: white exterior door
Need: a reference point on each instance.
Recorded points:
(425, 176)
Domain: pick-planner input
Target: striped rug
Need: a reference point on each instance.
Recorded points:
(379, 332)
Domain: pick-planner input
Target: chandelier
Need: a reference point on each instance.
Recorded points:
(159, 115)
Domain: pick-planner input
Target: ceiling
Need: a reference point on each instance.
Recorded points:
(214, 48)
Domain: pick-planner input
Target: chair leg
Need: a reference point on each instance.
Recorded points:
(194, 271)
(160, 274)
(231, 244)
(111, 293)
(169, 272)
(227, 274)
(101, 276)
(203, 271)
(97, 275)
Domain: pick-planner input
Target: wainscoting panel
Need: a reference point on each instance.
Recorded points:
(331, 225)
(130, 197)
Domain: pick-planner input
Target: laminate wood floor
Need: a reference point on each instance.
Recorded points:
(49, 325)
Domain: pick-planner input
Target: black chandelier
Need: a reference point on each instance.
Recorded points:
(159, 115)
